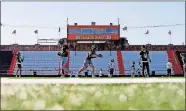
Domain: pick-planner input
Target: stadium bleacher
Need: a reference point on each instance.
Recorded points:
(128, 57)
(43, 62)
(47, 62)
(158, 61)
(77, 60)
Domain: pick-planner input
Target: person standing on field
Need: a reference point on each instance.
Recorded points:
(169, 68)
(145, 60)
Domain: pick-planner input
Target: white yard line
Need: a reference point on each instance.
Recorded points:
(91, 81)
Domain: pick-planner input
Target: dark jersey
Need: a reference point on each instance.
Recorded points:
(144, 55)
(91, 55)
(19, 60)
(64, 51)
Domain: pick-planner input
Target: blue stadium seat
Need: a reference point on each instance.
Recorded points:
(48, 61)
(128, 57)
(76, 61)
(158, 61)
(44, 62)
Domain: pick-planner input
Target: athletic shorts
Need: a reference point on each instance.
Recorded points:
(19, 65)
(111, 70)
(64, 60)
(87, 62)
(168, 71)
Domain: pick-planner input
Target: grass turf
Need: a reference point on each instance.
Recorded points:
(167, 96)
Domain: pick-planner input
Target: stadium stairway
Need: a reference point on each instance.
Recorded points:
(175, 62)
(13, 63)
(158, 61)
(5, 61)
(120, 62)
(77, 61)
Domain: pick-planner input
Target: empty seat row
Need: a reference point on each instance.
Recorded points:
(49, 60)
(158, 61)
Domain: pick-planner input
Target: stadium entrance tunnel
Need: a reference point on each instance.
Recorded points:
(5, 61)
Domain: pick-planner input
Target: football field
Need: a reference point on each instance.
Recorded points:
(93, 93)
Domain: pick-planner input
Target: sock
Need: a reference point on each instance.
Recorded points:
(92, 71)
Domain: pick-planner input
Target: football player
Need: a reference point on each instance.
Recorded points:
(88, 60)
(145, 60)
(111, 68)
(64, 55)
(19, 61)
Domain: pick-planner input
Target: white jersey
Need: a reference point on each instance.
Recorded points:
(169, 65)
(111, 65)
(100, 72)
(183, 56)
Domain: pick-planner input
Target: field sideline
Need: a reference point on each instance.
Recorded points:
(90, 80)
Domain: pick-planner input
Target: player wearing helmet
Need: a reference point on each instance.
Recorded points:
(19, 61)
(64, 55)
(88, 60)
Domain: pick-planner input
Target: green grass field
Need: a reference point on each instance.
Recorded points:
(168, 96)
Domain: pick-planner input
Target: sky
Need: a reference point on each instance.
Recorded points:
(54, 14)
